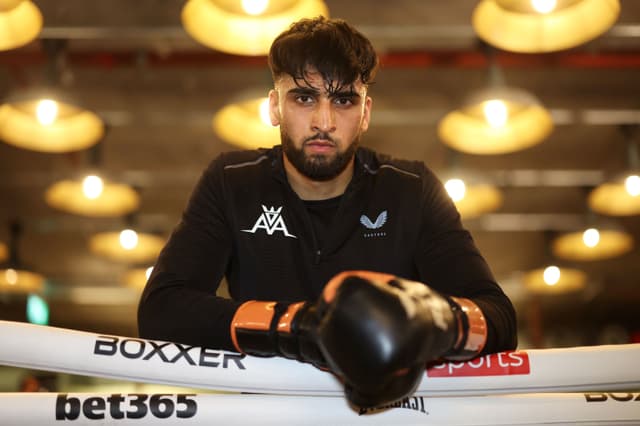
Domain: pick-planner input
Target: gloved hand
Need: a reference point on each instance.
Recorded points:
(378, 331)
(374, 330)
(273, 328)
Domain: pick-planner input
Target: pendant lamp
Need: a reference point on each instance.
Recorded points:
(554, 280)
(246, 27)
(245, 123)
(20, 23)
(620, 195)
(91, 194)
(496, 120)
(4, 253)
(537, 26)
(127, 246)
(15, 277)
(591, 244)
(136, 278)
(46, 118)
(472, 194)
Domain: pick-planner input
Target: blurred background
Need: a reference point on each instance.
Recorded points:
(528, 110)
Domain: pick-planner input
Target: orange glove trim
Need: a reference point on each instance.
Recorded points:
(329, 292)
(252, 315)
(477, 335)
(284, 322)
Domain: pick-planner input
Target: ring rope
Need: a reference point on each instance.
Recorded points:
(610, 367)
(207, 409)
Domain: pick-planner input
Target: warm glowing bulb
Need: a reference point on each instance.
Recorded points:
(495, 112)
(11, 275)
(551, 275)
(456, 189)
(264, 112)
(148, 271)
(544, 6)
(47, 111)
(632, 185)
(591, 237)
(128, 239)
(255, 7)
(7, 5)
(92, 187)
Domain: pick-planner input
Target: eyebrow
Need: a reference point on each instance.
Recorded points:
(310, 91)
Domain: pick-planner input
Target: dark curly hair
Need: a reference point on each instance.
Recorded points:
(340, 53)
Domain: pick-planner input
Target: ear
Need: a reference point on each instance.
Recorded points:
(274, 107)
(366, 114)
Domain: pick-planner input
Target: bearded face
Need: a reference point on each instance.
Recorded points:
(318, 166)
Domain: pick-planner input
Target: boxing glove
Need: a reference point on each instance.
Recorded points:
(277, 329)
(374, 330)
(378, 331)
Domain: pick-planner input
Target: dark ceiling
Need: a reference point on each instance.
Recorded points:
(157, 89)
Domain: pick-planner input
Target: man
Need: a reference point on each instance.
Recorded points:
(297, 230)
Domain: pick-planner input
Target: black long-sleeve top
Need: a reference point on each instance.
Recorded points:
(245, 222)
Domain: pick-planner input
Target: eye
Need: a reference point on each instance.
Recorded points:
(304, 99)
(344, 101)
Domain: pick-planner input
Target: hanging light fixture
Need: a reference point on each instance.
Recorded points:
(592, 244)
(620, 196)
(535, 26)
(91, 194)
(127, 245)
(496, 120)
(246, 27)
(4, 253)
(137, 278)
(473, 198)
(14, 276)
(252, 116)
(47, 119)
(20, 23)
(554, 280)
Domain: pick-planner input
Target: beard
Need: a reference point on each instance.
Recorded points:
(317, 167)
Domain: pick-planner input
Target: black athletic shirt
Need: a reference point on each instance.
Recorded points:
(244, 221)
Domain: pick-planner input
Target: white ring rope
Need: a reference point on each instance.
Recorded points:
(36, 409)
(610, 368)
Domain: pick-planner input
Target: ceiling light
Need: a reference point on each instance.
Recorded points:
(592, 244)
(632, 185)
(554, 280)
(473, 199)
(14, 276)
(20, 281)
(47, 120)
(620, 195)
(137, 278)
(92, 196)
(20, 22)
(496, 120)
(127, 246)
(534, 26)
(615, 198)
(245, 28)
(252, 116)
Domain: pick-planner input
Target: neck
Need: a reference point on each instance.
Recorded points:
(309, 189)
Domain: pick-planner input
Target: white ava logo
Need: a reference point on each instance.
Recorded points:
(380, 221)
(271, 221)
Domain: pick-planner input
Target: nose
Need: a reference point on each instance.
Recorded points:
(323, 119)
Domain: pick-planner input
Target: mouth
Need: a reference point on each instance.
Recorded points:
(319, 146)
